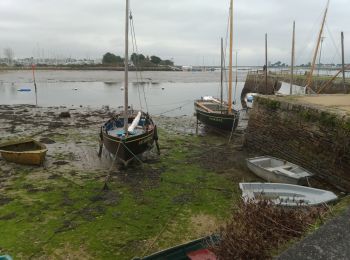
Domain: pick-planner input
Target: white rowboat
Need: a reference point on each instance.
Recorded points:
(286, 194)
(276, 170)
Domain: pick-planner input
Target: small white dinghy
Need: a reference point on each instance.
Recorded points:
(249, 99)
(276, 170)
(286, 194)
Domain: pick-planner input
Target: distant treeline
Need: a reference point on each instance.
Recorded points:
(138, 60)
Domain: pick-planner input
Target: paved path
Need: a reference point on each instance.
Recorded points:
(331, 241)
(335, 101)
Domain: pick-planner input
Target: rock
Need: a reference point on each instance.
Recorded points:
(64, 114)
(60, 162)
(47, 140)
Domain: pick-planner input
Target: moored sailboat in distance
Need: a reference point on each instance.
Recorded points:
(215, 112)
(131, 132)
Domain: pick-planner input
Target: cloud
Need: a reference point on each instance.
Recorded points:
(188, 31)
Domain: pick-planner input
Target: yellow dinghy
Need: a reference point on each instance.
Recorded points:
(24, 152)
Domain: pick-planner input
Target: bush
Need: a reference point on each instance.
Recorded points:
(257, 229)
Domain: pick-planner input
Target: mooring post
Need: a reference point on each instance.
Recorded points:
(343, 60)
(266, 64)
(292, 61)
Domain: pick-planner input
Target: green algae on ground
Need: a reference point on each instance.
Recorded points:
(145, 209)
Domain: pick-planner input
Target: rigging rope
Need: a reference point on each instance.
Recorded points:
(336, 46)
(134, 49)
(138, 73)
(174, 109)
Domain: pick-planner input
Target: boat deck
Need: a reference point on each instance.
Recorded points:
(118, 132)
(212, 106)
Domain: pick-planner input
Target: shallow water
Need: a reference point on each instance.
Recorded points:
(168, 93)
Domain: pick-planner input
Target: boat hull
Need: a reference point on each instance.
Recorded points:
(282, 194)
(126, 149)
(275, 176)
(182, 252)
(226, 122)
(29, 157)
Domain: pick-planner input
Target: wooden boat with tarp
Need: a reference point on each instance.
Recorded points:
(24, 152)
(130, 132)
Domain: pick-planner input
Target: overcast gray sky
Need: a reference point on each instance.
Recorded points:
(188, 31)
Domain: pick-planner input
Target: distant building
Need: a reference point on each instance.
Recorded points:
(186, 68)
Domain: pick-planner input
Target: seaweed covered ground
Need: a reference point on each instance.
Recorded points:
(60, 210)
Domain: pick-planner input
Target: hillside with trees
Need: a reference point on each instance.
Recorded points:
(137, 60)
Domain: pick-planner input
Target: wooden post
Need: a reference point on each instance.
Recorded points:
(343, 60)
(36, 92)
(292, 62)
(222, 73)
(265, 63)
(319, 63)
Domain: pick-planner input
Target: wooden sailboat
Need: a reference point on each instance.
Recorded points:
(131, 132)
(212, 111)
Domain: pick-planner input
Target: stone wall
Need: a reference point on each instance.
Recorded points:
(316, 138)
(335, 87)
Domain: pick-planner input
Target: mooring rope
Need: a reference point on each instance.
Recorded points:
(174, 109)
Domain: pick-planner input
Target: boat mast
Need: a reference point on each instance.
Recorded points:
(222, 73)
(292, 62)
(230, 64)
(126, 68)
(342, 60)
(236, 81)
(309, 80)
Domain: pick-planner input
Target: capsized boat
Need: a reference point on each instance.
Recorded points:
(196, 249)
(286, 194)
(277, 170)
(26, 151)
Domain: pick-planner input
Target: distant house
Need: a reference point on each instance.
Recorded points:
(186, 68)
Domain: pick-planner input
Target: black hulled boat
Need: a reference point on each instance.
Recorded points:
(215, 112)
(212, 113)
